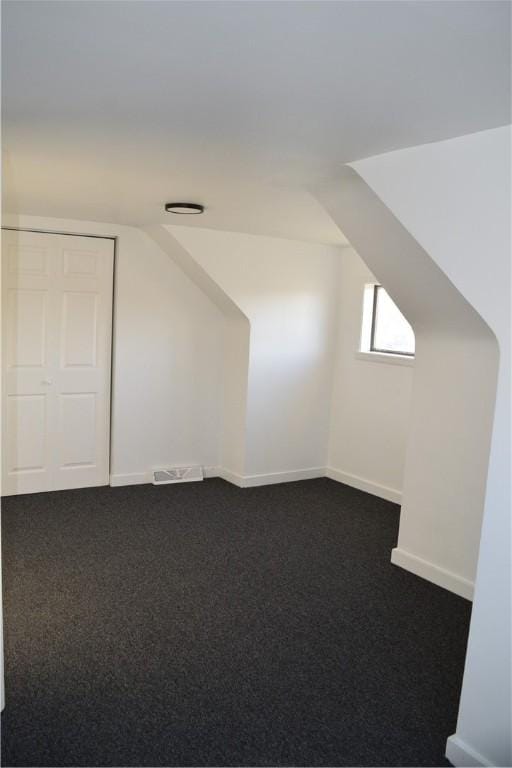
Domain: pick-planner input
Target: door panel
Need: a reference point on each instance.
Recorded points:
(77, 429)
(79, 327)
(80, 263)
(56, 332)
(26, 330)
(26, 418)
(27, 260)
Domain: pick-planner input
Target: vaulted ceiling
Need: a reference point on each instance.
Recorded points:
(111, 108)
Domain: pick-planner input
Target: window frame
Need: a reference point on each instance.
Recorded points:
(371, 347)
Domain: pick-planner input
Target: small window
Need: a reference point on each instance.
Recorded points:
(385, 329)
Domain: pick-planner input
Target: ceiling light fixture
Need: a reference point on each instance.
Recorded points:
(187, 208)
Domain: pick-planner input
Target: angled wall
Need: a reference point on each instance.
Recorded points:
(235, 352)
(453, 391)
(433, 223)
(454, 198)
(287, 289)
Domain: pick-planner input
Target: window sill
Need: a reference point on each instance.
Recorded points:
(385, 357)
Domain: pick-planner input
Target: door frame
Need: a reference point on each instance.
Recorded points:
(114, 238)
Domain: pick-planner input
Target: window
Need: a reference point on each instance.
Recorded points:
(385, 329)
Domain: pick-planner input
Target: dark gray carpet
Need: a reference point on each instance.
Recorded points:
(201, 625)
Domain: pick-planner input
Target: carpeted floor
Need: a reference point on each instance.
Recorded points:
(206, 625)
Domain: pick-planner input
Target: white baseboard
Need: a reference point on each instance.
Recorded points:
(461, 755)
(250, 481)
(231, 477)
(134, 478)
(271, 478)
(284, 477)
(211, 472)
(390, 494)
(434, 573)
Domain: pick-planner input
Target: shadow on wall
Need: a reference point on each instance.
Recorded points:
(453, 393)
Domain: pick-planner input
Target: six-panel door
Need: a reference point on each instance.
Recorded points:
(56, 353)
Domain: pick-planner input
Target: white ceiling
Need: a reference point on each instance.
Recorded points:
(112, 108)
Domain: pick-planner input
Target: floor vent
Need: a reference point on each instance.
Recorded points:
(177, 475)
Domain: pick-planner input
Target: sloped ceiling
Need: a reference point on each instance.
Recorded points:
(112, 108)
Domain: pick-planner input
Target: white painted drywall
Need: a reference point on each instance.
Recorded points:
(235, 362)
(370, 398)
(453, 394)
(287, 289)
(111, 108)
(168, 365)
(454, 198)
(168, 349)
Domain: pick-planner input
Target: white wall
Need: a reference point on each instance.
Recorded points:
(453, 393)
(168, 348)
(235, 356)
(370, 398)
(454, 198)
(168, 365)
(287, 289)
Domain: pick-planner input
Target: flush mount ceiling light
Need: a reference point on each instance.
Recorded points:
(187, 208)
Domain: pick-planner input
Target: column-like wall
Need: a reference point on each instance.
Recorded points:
(433, 223)
(453, 391)
(454, 197)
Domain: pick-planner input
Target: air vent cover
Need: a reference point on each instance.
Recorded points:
(177, 475)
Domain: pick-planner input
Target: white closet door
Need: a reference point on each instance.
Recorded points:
(56, 351)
